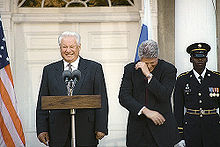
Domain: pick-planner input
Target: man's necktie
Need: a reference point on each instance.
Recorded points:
(146, 96)
(201, 79)
(70, 67)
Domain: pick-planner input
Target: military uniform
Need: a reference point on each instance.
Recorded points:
(197, 126)
(195, 109)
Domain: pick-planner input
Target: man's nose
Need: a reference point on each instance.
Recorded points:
(68, 49)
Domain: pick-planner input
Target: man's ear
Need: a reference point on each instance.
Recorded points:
(79, 46)
(191, 59)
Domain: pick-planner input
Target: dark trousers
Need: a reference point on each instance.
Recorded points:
(147, 139)
(88, 146)
(68, 142)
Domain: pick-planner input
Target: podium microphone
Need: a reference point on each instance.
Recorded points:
(76, 75)
(67, 76)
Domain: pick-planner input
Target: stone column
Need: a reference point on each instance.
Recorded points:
(218, 31)
(195, 21)
(166, 30)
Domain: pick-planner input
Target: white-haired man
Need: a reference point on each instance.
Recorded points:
(145, 92)
(91, 124)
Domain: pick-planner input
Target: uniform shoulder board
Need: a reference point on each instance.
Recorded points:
(215, 72)
(183, 74)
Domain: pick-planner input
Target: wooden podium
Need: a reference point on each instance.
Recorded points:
(72, 103)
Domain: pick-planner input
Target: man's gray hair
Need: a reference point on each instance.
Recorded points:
(67, 33)
(148, 49)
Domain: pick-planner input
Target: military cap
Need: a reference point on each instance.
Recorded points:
(198, 50)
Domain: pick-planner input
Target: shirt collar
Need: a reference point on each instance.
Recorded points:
(74, 64)
(197, 75)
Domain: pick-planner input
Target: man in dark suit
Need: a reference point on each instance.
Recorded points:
(146, 93)
(91, 124)
(198, 92)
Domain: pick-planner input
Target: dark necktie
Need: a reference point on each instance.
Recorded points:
(146, 93)
(201, 79)
(146, 97)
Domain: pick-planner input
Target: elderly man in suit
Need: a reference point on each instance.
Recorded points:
(91, 124)
(197, 91)
(145, 92)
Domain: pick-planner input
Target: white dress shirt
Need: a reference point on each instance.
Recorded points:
(197, 75)
(74, 65)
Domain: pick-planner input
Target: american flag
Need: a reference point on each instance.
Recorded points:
(11, 132)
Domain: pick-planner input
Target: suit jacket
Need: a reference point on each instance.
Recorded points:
(87, 121)
(132, 97)
(189, 93)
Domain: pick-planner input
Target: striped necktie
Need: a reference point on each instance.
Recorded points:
(70, 67)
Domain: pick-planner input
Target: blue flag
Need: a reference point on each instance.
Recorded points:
(144, 28)
(143, 37)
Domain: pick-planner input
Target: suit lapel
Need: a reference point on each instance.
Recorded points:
(58, 70)
(82, 68)
(193, 81)
(206, 79)
(156, 72)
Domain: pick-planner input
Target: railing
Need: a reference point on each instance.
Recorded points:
(74, 3)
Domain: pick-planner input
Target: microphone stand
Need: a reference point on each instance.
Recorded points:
(70, 79)
(70, 87)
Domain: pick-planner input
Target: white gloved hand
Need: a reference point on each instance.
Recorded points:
(180, 144)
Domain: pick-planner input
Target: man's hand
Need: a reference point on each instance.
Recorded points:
(44, 138)
(143, 67)
(99, 135)
(155, 116)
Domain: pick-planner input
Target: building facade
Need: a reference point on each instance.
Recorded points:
(109, 29)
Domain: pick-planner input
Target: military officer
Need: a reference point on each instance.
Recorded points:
(198, 92)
